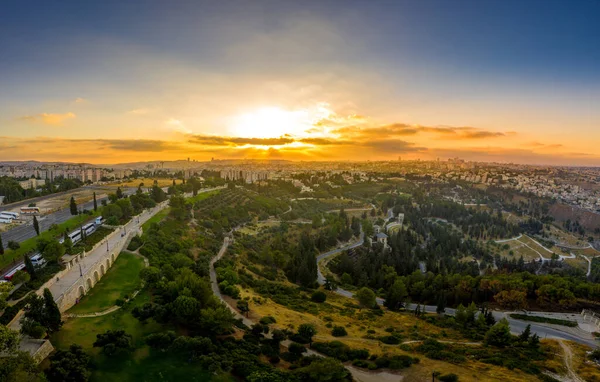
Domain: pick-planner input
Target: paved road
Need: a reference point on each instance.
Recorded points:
(91, 259)
(516, 326)
(25, 231)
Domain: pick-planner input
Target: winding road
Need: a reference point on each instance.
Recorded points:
(516, 326)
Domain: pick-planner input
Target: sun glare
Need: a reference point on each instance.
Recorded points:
(270, 122)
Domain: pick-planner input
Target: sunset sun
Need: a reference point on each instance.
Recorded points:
(270, 122)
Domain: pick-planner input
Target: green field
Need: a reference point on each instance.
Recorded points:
(202, 196)
(29, 245)
(142, 364)
(155, 219)
(121, 279)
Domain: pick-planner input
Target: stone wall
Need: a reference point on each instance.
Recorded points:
(83, 284)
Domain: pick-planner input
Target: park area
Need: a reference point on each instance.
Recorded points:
(121, 280)
(143, 363)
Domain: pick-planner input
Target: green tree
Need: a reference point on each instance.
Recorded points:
(29, 267)
(53, 318)
(19, 366)
(524, 336)
(36, 226)
(1, 246)
(243, 307)
(71, 365)
(53, 251)
(307, 331)
(113, 342)
(73, 206)
(95, 202)
(366, 297)
(441, 303)
(323, 370)
(119, 193)
(396, 296)
(499, 334)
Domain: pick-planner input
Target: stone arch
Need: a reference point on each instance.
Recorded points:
(107, 264)
(81, 291)
(89, 283)
(102, 271)
(96, 277)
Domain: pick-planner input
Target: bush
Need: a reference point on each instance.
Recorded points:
(318, 296)
(268, 320)
(448, 378)
(13, 245)
(339, 331)
(120, 302)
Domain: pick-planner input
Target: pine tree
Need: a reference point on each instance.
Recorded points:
(73, 206)
(36, 226)
(51, 312)
(1, 246)
(524, 337)
(29, 267)
(441, 303)
(95, 202)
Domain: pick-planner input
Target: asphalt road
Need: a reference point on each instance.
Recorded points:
(516, 326)
(25, 231)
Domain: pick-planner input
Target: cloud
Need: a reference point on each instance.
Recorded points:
(80, 100)
(404, 129)
(53, 119)
(211, 140)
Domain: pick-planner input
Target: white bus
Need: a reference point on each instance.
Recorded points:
(75, 236)
(9, 215)
(89, 228)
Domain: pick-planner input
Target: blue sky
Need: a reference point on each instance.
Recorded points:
(530, 68)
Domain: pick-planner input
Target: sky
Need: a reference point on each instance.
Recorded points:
(112, 81)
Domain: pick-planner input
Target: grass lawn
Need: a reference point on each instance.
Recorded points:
(120, 280)
(201, 196)
(156, 218)
(29, 245)
(142, 364)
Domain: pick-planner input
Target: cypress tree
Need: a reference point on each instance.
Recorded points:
(73, 206)
(52, 313)
(29, 267)
(441, 304)
(1, 246)
(95, 202)
(119, 193)
(36, 226)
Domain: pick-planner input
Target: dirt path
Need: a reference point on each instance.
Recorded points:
(569, 362)
(357, 374)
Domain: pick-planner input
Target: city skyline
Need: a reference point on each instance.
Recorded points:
(116, 83)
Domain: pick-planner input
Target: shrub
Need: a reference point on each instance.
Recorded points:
(448, 378)
(268, 320)
(120, 302)
(13, 245)
(318, 296)
(339, 331)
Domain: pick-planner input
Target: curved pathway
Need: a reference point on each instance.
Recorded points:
(516, 326)
(357, 374)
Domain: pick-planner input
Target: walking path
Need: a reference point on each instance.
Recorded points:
(357, 374)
